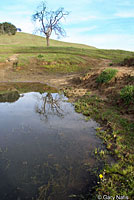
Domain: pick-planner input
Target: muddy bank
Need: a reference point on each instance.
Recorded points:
(21, 87)
(9, 96)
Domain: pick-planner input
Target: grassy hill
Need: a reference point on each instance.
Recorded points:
(25, 39)
(29, 43)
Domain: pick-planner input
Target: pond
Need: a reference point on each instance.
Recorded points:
(46, 148)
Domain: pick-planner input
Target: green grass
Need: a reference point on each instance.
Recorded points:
(127, 94)
(56, 63)
(28, 43)
(4, 57)
(106, 75)
(64, 63)
(68, 57)
(30, 40)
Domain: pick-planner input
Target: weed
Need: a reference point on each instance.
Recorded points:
(127, 94)
(106, 75)
(40, 56)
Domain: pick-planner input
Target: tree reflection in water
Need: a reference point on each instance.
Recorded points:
(49, 105)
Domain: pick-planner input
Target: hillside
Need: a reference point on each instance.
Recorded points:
(25, 39)
(22, 43)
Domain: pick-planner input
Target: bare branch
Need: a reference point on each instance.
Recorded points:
(50, 20)
(49, 106)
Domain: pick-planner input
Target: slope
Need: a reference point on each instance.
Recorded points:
(25, 39)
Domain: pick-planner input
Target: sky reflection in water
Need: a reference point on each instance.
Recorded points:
(44, 142)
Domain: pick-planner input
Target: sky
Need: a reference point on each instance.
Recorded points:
(105, 24)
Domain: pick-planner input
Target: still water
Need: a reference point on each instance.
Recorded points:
(45, 149)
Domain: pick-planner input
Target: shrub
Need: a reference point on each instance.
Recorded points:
(127, 94)
(106, 75)
(40, 56)
(127, 62)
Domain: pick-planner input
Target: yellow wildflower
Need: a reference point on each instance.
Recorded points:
(101, 176)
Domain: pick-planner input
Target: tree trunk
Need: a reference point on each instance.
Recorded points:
(47, 38)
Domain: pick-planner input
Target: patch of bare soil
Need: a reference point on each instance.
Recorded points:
(33, 72)
(11, 72)
(125, 76)
(5, 67)
(2, 71)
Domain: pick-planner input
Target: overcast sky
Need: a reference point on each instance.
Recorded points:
(105, 24)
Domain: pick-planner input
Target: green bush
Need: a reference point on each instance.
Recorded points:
(106, 75)
(127, 94)
(40, 56)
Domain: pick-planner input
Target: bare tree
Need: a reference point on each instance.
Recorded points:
(49, 21)
(50, 106)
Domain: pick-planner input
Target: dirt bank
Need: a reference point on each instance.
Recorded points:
(12, 71)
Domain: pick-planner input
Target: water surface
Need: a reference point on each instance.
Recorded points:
(45, 148)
